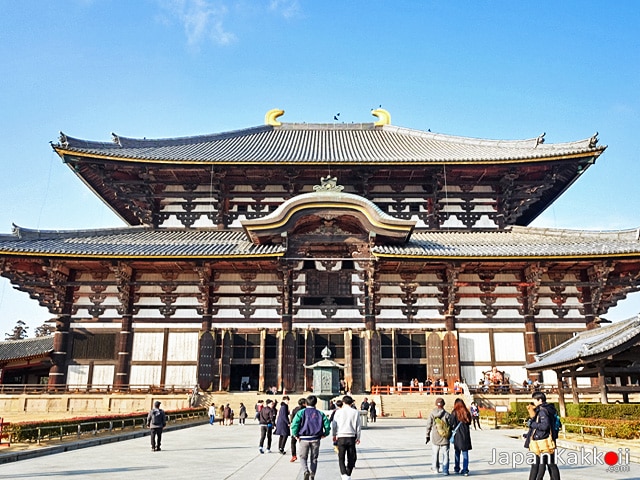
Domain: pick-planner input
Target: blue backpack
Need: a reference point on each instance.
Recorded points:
(311, 423)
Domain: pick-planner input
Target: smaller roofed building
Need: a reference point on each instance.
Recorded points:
(610, 355)
(25, 361)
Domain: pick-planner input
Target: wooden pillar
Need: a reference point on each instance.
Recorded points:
(348, 357)
(562, 405)
(61, 347)
(225, 360)
(574, 389)
(125, 345)
(531, 344)
(309, 347)
(602, 384)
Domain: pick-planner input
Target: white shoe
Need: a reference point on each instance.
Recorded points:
(344, 476)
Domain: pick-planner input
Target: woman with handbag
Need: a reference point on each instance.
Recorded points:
(541, 437)
(460, 439)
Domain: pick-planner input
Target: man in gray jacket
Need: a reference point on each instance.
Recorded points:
(438, 433)
(346, 427)
(156, 421)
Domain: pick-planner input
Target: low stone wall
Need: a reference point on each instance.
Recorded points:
(23, 407)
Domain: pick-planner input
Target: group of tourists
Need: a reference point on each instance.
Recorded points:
(226, 414)
(307, 426)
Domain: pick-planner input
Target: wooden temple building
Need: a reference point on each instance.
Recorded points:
(247, 252)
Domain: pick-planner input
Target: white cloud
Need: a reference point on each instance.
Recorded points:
(288, 8)
(201, 20)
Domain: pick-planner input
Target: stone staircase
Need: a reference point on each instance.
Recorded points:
(413, 405)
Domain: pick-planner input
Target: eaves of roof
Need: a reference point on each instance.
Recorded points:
(25, 349)
(327, 143)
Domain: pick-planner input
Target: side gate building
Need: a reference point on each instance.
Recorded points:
(246, 253)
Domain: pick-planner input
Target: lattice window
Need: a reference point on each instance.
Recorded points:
(100, 346)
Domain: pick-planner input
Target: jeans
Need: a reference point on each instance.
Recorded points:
(309, 449)
(156, 438)
(347, 447)
(212, 418)
(265, 431)
(440, 457)
(465, 461)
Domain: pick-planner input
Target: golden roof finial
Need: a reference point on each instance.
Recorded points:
(272, 115)
(384, 117)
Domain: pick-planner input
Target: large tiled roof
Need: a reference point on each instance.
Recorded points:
(322, 143)
(515, 242)
(589, 345)
(134, 242)
(27, 348)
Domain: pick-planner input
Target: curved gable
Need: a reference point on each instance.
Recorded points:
(351, 213)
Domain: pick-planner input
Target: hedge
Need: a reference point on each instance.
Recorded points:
(621, 420)
(28, 431)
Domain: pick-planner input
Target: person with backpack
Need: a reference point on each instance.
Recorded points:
(544, 422)
(310, 425)
(438, 433)
(460, 436)
(156, 421)
(266, 418)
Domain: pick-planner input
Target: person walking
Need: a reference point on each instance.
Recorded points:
(460, 436)
(282, 424)
(227, 412)
(221, 413)
(475, 415)
(365, 405)
(310, 425)
(266, 418)
(212, 413)
(541, 421)
(242, 414)
(373, 413)
(302, 403)
(346, 428)
(156, 421)
(438, 435)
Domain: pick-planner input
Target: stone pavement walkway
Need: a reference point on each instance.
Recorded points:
(390, 449)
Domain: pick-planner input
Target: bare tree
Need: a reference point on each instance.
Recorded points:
(19, 331)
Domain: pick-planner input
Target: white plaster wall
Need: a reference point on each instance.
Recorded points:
(78, 374)
(181, 375)
(103, 374)
(474, 347)
(182, 346)
(509, 346)
(145, 375)
(147, 346)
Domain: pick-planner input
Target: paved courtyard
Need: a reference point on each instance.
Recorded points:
(390, 449)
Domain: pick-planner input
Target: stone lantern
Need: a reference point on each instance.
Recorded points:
(326, 378)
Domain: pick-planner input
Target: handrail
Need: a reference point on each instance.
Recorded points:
(404, 390)
(15, 389)
(96, 426)
(582, 428)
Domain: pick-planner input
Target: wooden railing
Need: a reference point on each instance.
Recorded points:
(9, 389)
(51, 432)
(395, 390)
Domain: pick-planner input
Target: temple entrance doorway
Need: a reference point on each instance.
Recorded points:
(406, 373)
(244, 377)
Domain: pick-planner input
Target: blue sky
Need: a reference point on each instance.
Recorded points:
(167, 68)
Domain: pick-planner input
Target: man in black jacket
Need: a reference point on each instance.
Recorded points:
(541, 421)
(266, 419)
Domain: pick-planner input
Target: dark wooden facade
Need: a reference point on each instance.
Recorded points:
(412, 260)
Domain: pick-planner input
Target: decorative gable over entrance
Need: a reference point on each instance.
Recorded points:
(331, 210)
